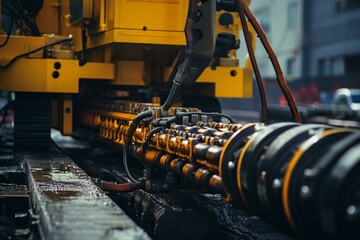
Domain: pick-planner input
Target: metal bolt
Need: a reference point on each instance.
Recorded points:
(305, 192)
(204, 118)
(352, 212)
(312, 132)
(194, 119)
(231, 165)
(263, 176)
(308, 172)
(185, 120)
(276, 183)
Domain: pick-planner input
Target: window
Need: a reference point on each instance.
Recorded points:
(321, 67)
(341, 101)
(290, 66)
(352, 64)
(342, 5)
(337, 67)
(355, 98)
(264, 19)
(292, 14)
(339, 5)
(350, 4)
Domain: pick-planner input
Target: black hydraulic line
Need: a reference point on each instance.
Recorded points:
(125, 163)
(3, 44)
(181, 114)
(279, 74)
(164, 122)
(5, 109)
(7, 10)
(83, 56)
(32, 5)
(264, 110)
(182, 69)
(199, 49)
(171, 97)
(151, 133)
(25, 13)
(35, 50)
(32, 25)
(147, 139)
(141, 116)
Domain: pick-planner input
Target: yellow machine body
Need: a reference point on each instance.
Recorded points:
(42, 75)
(127, 34)
(229, 81)
(140, 22)
(126, 39)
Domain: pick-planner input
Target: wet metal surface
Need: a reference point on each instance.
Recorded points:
(70, 206)
(14, 198)
(12, 171)
(7, 189)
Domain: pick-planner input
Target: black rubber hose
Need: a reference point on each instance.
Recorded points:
(5, 109)
(125, 162)
(212, 114)
(264, 110)
(182, 70)
(83, 56)
(147, 139)
(3, 44)
(275, 62)
(141, 116)
(35, 50)
(171, 97)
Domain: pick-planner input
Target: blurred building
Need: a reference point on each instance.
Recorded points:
(317, 43)
(331, 41)
(282, 20)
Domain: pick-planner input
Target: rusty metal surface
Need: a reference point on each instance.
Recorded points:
(70, 206)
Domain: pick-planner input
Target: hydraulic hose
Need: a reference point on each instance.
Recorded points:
(141, 116)
(199, 47)
(279, 74)
(171, 97)
(264, 110)
(182, 69)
